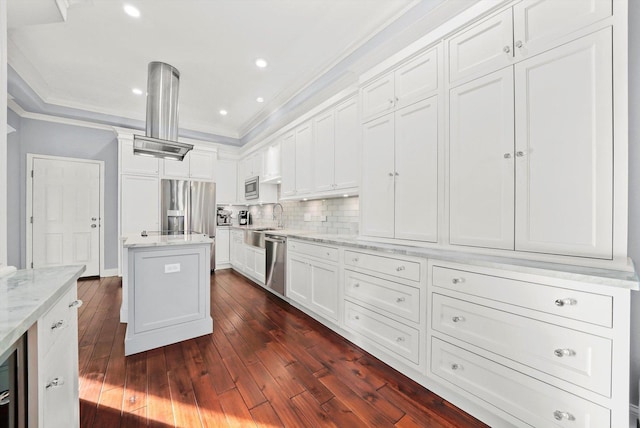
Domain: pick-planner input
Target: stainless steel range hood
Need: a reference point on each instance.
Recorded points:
(161, 138)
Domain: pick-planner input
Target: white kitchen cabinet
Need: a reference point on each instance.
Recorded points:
(564, 149)
(226, 181)
(53, 365)
(139, 204)
(271, 170)
(529, 28)
(409, 83)
(336, 148)
(254, 263)
(481, 162)
(134, 164)
(561, 166)
(252, 165)
(236, 249)
(223, 254)
(400, 174)
(198, 164)
(288, 164)
(304, 162)
(312, 278)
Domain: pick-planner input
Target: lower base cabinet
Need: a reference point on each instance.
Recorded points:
(53, 366)
(223, 254)
(246, 259)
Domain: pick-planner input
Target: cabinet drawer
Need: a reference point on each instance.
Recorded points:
(387, 265)
(58, 385)
(319, 251)
(398, 338)
(60, 318)
(564, 353)
(397, 299)
(533, 402)
(578, 305)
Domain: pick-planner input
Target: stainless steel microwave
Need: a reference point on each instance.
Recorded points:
(252, 188)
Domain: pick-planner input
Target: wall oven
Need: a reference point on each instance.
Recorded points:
(13, 386)
(252, 188)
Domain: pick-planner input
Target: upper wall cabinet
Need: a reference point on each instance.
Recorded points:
(133, 164)
(297, 178)
(528, 28)
(226, 181)
(336, 148)
(198, 164)
(407, 84)
(288, 164)
(252, 165)
(271, 171)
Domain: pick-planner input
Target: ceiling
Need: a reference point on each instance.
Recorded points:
(93, 59)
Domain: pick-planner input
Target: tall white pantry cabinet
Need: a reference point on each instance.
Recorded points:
(521, 163)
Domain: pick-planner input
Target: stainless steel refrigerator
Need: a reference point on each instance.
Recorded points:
(189, 207)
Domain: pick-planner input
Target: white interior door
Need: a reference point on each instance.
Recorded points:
(66, 211)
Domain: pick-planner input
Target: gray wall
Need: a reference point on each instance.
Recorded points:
(634, 185)
(54, 139)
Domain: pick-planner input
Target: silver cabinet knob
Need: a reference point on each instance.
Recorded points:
(507, 155)
(397, 174)
(93, 219)
(355, 260)
(55, 383)
(563, 416)
(356, 285)
(400, 339)
(328, 253)
(506, 49)
(457, 318)
(400, 299)
(57, 324)
(519, 44)
(455, 366)
(391, 174)
(391, 102)
(520, 153)
(76, 303)
(566, 302)
(400, 268)
(93, 226)
(397, 99)
(457, 280)
(564, 353)
(356, 317)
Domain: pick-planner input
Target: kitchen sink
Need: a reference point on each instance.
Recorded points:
(254, 237)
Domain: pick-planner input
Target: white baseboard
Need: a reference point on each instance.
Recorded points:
(109, 272)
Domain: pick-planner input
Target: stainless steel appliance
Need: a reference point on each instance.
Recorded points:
(276, 259)
(13, 386)
(188, 207)
(252, 188)
(223, 217)
(243, 217)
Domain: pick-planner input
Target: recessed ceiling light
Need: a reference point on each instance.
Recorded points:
(223, 112)
(132, 11)
(262, 63)
(260, 99)
(137, 91)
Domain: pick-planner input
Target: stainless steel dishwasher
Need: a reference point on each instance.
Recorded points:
(276, 272)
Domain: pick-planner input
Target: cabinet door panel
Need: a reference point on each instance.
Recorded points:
(304, 162)
(323, 152)
(226, 181)
(299, 280)
(288, 164)
(139, 204)
(481, 176)
(565, 133)
(377, 195)
(133, 164)
(201, 165)
(324, 292)
(416, 189)
(175, 168)
(537, 23)
(347, 145)
(377, 97)
(416, 79)
(223, 255)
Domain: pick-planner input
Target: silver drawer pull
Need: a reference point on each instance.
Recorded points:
(400, 268)
(506, 49)
(400, 339)
(400, 299)
(566, 302)
(356, 317)
(457, 280)
(457, 319)
(57, 324)
(564, 353)
(328, 253)
(355, 260)
(76, 303)
(356, 285)
(563, 416)
(455, 366)
(55, 383)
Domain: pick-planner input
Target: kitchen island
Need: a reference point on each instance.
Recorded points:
(165, 290)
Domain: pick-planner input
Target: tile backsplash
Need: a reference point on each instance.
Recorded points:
(333, 216)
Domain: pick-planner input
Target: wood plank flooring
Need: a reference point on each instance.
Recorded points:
(266, 365)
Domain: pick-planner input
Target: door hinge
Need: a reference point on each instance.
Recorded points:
(31, 265)
(31, 173)
(31, 219)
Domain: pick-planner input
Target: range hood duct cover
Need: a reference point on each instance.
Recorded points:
(161, 138)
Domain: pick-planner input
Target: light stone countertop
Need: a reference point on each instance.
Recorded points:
(155, 240)
(26, 295)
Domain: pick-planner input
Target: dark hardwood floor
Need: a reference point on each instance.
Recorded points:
(266, 364)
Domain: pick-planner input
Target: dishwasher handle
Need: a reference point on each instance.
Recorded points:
(276, 240)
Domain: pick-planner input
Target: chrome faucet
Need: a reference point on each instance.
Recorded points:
(280, 222)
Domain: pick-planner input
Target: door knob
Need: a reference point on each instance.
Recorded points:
(93, 226)
(93, 218)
